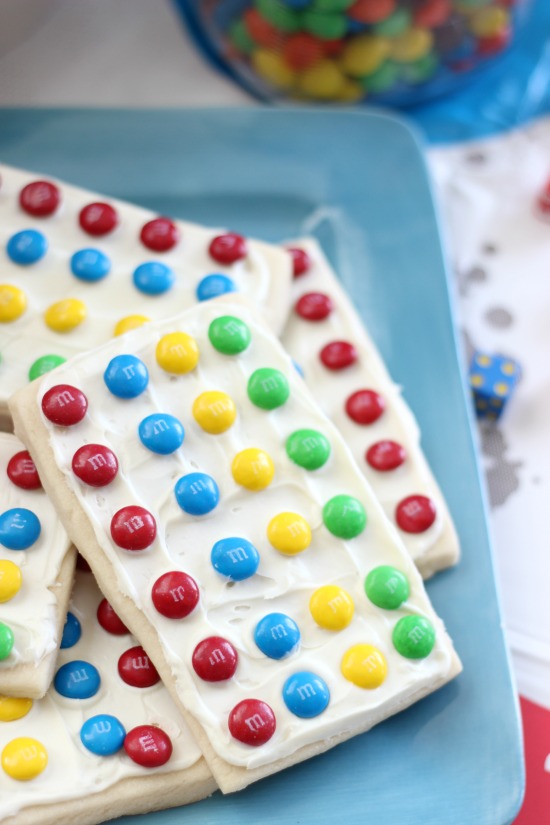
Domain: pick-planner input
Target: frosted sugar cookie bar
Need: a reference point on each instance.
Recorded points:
(349, 380)
(228, 525)
(78, 268)
(105, 741)
(36, 575)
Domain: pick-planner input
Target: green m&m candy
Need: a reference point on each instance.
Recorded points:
(229, 335)
(239, 36)
(387, 587)
(383, 79)
(279, 15)
(332, 5)
(309, 449)
(6, 641)
(395, 24)
(326, 25)
(414, 637)
(268, 388)
(344, 516)
(44, 364)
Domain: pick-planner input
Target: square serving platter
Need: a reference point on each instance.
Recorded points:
(358, 182)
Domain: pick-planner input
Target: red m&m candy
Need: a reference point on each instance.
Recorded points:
(301, 262)
(385, 455)
(148, 746)
(82, 564)
(160, 235)
(40, 198)
(228, 248)
(415, 514)
(252, 722)
(98, 218)
(314, 306)
(64, 405)
(338, 355)
(22, 472)
(136, 669)
(175, 594)
(214, 659)
(133, 528)
(109, 620)
(95, 464)
(365, 406)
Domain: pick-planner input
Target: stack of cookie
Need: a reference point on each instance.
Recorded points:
(259, 532)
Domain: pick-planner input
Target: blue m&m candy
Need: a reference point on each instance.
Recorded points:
(126, 376)
(102, 734)
(77, 680)
(90, 265)
(235, 558)
(214, 285)
(277, 635)
(27, 247)
(305, 694)
(72, 632)
(153, 278)
(197, 493)
(19, 528)
(161, 433)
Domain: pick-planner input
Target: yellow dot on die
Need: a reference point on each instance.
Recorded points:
(501, 388)
(289, 533)
(24, 758)
(177, 352)
(253, 469)
(483, 360)
(13, 303)
(65, 315)
(476, 380)
(130, 322)
(214, 411)
(12, 709)
(508, 368)
(412, 45)
(332, 607)
(10, 580)
(273, 68)
(365, 666)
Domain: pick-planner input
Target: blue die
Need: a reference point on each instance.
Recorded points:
(492, 379)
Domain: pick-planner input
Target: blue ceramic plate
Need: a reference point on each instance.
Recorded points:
(358, 182)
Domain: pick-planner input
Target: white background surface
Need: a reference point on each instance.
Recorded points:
(136, 53)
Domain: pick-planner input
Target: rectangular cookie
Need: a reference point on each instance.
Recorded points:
(347, 376)
(36, 576)
(233, 534)
(65, 759)
(78, 267)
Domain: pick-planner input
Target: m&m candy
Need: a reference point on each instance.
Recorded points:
(306, 694)
(214, 659)
(6, 641)
(414, 637)
(175, 594)
(387, 587)
(66, 315)
(153, 278)
(277, 635)
(24, 758)
(19, 528)
(344, 516)
(72, 632)
(161, 433)
(27, 247)
(212, 286)
(77, 680)
(227, 249)
(98, 218)
(229, 335)
(159, 235)
(252, 722)
(90, 265)
(214, 411)
(22, 472)
(11, 579)
(197, 493)
(289, 533)
(365, 666)
(136, 669)
(236, 558)
(177, 353)
(12, 709)
(268, 388)
(253, 469)
(133, 528)
(44, 364)
(126, 376)
(332, 607)
(64, 405)
(109, 620)
(103, 734)
(309, 449)
(40, 198)
(95, 465)
(148, 746)
(13, 303)
(415, 514)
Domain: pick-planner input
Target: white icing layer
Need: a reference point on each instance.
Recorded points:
(183, 542)
(264, 276)
(55, 721)
(304, 340)
(31, 613)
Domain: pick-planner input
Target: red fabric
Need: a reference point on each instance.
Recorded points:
(536, 734)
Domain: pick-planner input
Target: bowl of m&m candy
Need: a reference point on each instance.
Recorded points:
(394, 52)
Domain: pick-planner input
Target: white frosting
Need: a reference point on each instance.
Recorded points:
(282, 583)
(31, 613)
(304, 340)
(55, 721)
(115, 296)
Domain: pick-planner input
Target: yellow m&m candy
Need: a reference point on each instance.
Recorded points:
(24, 758)
(10, 580)
(332, 607)
(253, 469)
(272, 67)
(65, 315)
(214, 411)
(177, 352)
(411, 45)
(289, 533)
(130, 322)
(490, 21)
(322, 81)
(12, 709)
(13, 303)
(365, 666)
(364, 55)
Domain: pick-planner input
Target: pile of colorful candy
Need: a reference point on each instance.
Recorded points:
(348, 50)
